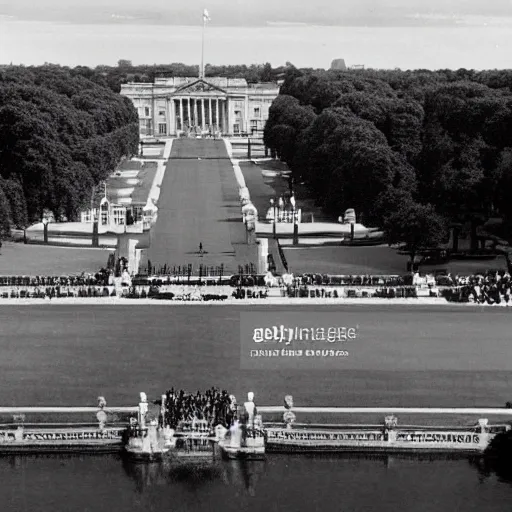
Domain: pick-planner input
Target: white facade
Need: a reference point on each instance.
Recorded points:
(172, 106)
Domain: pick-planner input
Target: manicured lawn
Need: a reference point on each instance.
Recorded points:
(20, 259)
(372, 260)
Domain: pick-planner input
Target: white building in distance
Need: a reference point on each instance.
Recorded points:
(177, 105)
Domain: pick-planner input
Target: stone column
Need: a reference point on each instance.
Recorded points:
(172, 127)
(170, 116)
(221, 116)
(210, 111)
(153, 116)
(202, 114)
(227, 124)
(195, 112)
(181, 113)
(189, 119)
(246, 115)
(217, 114)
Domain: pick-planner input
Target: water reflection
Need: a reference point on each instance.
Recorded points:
(488, 468)
(244, 475)
(241, 475)
(300, 482)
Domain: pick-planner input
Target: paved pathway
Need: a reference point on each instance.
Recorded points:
(199, 203)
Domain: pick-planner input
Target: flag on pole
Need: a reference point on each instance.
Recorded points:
(206, 16)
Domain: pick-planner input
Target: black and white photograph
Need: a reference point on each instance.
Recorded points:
(255, 256)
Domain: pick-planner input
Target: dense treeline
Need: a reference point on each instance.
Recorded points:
(413, 152)
(60, 135)
(114, 76)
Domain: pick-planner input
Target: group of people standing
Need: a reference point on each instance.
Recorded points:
(491, 289)
(215, 406)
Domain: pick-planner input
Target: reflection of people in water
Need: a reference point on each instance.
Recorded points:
(243, 474)
(146, 475)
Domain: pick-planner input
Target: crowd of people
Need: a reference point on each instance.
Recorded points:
(214, 406)
(490, 288)
(100, 278)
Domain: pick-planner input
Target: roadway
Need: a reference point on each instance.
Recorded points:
(199, 204)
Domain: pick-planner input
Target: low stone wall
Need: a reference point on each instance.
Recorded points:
(39, 292)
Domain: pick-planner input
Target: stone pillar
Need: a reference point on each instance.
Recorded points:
(195, 113)
(202, 114)
(188, 113)
(181, 113)
(172, 118)
(217, 114)
(168, 120)
(227, 124)
(223, 116)
(154, 118)
(127, 248)
(263, 256)
(246, 114)
(210, 111)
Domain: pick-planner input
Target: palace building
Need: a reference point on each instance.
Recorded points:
(211, 105)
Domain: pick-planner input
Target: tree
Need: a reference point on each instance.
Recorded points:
(61, 133)
(416, 225)
(123, 63)
(5, 216)
(267, 73)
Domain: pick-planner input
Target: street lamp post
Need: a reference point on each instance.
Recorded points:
(45, 230)
(95, 233)
(295, 222)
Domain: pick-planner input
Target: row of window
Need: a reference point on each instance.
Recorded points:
(162, 127)
(256, 113)
(238, 113)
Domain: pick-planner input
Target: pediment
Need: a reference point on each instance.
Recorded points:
(199, 86)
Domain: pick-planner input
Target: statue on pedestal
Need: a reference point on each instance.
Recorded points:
(288, 416)
(390, 424)
(250, 407)
(101, 415)
(143, 410)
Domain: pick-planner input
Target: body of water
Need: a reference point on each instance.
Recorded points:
(281, 483)
(479, 45)
(69, 355)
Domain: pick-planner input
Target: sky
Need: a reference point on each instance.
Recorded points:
(257, 12)
(406, 34)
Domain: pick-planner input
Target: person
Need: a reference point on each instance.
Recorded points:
(200, 248)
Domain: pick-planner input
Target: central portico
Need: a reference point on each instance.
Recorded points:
(199, 106)
(176, 105)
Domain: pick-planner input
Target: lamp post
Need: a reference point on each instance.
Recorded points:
(295, 222)
(45, 230)
(95, 235)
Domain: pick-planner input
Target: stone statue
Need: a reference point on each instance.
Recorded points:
(143, 410)
(288, 416)
(483, 424)
(390, 422)
(101, 415)
(250, 407)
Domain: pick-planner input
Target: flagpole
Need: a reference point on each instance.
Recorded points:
(201, 71)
